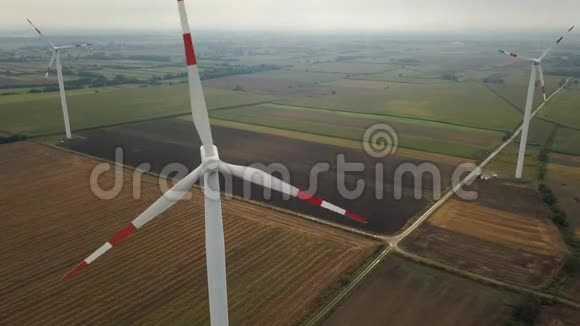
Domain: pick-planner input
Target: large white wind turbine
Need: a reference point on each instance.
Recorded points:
(56, 57)
(536, 70)
(209, 169)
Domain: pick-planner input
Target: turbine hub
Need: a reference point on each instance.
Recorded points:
(210, 162)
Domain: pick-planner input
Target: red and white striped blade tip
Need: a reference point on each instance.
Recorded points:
(76, 270)
(306, 196)
(515, 55)
(356, 217)
(115, 241)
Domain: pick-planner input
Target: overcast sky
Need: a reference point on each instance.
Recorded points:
(399, 15)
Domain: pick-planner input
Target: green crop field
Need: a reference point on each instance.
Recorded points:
(540, 132)
(567, 141)
(564, 109)
(305, 75)
(39, 114)
(406, 75)
(467, 104)
(413, 134)
(350, 68)
(515, 87)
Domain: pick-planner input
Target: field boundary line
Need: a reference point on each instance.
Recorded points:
(390, 116)
(559, 124)
(503, 98)
(481, 278)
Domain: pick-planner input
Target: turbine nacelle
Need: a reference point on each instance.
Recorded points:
(210, 162)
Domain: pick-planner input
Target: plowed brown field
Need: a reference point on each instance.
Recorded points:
(401, 292)
(50, 220)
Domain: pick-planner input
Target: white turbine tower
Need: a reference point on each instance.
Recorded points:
(536, 70)
(56, 57)
(210, 167)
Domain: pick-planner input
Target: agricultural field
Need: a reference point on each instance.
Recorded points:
(505, 234)
(349, 68)
(300, 75)
(566, 141)
(173, 140)
(386, 295)
(558, 315)
(413, 134)
(563, 109)
(506, 228)
(40, 114)
(465, 104)
(277, 87)
(565, 183)
(514, 88)
(278, 264)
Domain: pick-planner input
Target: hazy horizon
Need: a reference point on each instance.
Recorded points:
(453, 16)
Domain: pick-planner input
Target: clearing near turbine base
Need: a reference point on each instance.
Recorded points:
(278, 264)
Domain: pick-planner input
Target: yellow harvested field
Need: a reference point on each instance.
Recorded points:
(502, 227)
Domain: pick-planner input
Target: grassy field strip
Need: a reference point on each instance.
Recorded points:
(429, 137)
(463, 104)
(376, 115)
(386, 117)
(40, 114)
(333, 141)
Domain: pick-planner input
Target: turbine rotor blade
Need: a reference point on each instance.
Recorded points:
(40, 33)
(515, 55)
(73, 46)
(50, 63)
(168, 199)
(266, 180)
(548, 50)
(196, 97)
(542, 82)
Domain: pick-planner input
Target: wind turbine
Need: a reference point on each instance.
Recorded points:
(56, 57)
(209, 169)
(536, 70)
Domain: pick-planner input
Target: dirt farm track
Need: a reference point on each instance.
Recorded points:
(50, 220)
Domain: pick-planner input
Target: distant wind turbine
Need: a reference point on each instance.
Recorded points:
(536, 70)
(56, 57)
(208, 171)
